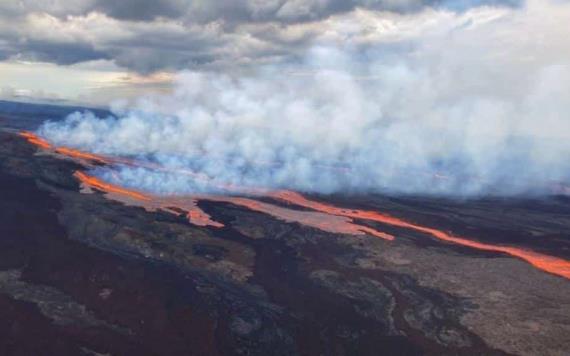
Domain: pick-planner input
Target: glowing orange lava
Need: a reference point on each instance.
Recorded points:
(65, 151)
(199, 218)
(321, 221)
(547, 263)
(172, 205)
(318, 220)
(35, 140)
(69, 152)
(325, 217)
(106, 187)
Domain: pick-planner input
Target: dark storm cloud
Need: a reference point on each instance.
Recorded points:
(155, 61)
(141, 10)
(151, 35)
(4, 49)
(62, 53)
(233, 11)
(284, 11)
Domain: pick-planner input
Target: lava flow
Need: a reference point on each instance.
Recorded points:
(173, 205)
(65, 151)
(318, 220)
(35, 140)
(89, 159)
(546, 263)
(110, 188)
(324, 216)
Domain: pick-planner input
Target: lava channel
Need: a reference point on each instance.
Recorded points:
(325, 217)
(554, 265)
(322, 221)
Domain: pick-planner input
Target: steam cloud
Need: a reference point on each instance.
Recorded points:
(478, 107)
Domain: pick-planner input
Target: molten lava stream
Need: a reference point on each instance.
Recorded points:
(318, 220)
(106, 187)
(35, 140)
(322, 221)
(326, 221)
(173, 205)
(90, 158)
(64, 151)
(546, 263)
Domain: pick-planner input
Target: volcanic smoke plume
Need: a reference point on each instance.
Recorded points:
(468, 107)
(321, 216)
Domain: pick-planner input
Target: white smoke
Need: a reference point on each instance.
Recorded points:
(479, 108)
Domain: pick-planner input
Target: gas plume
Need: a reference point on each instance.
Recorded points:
(476, 105)
(321, 216)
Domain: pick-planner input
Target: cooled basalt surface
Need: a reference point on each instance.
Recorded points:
(84, 274)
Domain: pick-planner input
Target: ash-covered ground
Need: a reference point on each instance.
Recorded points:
(81, 274)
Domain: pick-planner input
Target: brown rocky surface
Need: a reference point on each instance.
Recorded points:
(134, 282)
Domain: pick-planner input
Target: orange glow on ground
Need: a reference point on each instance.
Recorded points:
(106, 187)
(64, 151)
(322, 221)
(94, 158)
(199, 218)
(546, 263)
(69, 152)
(318, 220)
(35, 140)
(173, 205)
(325, 217)
(194, 214)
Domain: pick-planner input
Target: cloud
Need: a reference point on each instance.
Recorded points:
(284, 11)
(26, 95)
(141, 10)
(62, 53)
(473, 104)
(147, 36)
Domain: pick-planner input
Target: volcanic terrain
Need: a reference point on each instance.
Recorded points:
(88, 267)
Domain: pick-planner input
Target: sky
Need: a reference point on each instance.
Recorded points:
(95, 51)
(313, 95)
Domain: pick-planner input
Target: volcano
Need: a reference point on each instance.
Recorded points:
(93, 267)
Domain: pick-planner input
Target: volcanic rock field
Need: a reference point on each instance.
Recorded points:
(84, 273)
